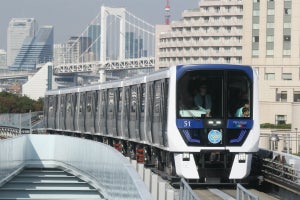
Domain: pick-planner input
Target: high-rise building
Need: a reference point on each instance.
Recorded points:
(18, 30)
(94, 32)
(3, 59)
(35, 50)
(60, 55)
(271, 44)
(78, 49)
(211, 33)
(134, 46)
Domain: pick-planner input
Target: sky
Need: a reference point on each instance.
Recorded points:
(71, 17)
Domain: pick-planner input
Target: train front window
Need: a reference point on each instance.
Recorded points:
(239, 95)
(211, 93)
(200, 94)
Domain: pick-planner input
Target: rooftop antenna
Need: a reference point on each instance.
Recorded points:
(167, 12)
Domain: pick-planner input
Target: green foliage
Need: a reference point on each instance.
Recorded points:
(11, 103)
(276, 126)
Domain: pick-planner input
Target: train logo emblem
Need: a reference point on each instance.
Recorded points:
(215, 136)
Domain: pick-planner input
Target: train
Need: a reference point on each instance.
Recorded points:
(156, 119)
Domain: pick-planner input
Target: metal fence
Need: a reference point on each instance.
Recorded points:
(242, 193)
(20, 120)
(186, 192)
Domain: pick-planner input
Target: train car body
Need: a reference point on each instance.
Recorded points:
(156, 119)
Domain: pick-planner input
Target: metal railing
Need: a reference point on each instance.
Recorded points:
(242, 193)
(282, 167)
(186, 192)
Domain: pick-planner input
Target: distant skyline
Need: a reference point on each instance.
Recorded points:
(71, 17)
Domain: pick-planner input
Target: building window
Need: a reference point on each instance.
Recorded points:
(280, 119)
(287, 38)
(269, 76)
(255, 52)
(281, 97)
(256, 1)
(255, 39)
(287, 11)
(270, 25)
(296, 96)
(255, 13)
(287, 76)
(286, 52)
(255, 26)
(287, 25)
(270, 52)
(270, 38)
(271, 11)
(227, 59)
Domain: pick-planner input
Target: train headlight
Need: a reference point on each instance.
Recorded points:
(185, 156)
(242, 157)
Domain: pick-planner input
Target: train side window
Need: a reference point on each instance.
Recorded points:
(133, 98)
(157, 97)
(119, 96)
(143, 96)
(111, 96)
(89, 102)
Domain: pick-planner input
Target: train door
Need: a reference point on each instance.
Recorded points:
(142, 96)
(149, 111)
(111, 113)
(70, 111)
(133, 113)
(81, 114)
(76, 117)
(62, 112)
(97, 111)
(119, 111)
(57, 107)
(159, 112)
(103, 112)
(126, 113)
(89, 114)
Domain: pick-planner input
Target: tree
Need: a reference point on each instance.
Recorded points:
(11, 103)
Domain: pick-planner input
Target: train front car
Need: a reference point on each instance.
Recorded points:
(215, 128)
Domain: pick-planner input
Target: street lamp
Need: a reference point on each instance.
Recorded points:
(274, 138)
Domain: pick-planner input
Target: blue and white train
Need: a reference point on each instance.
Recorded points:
(156, 120)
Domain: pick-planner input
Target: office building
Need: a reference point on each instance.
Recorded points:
(18, 30)
(94, 32)
(35, 50)
(78, 49)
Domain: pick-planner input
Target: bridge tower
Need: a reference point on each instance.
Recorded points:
(120, 13)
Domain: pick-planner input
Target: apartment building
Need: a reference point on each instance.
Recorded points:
(262, 33)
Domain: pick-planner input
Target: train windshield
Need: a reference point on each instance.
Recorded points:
(214, 93)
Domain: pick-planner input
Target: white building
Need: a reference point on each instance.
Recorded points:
(211, 33)
(271, 44)
(3, 64)
(18, 30)
(37, 85)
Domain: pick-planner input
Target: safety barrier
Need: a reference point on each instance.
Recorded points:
(186, 192)
(110, 172)
(242, 193)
